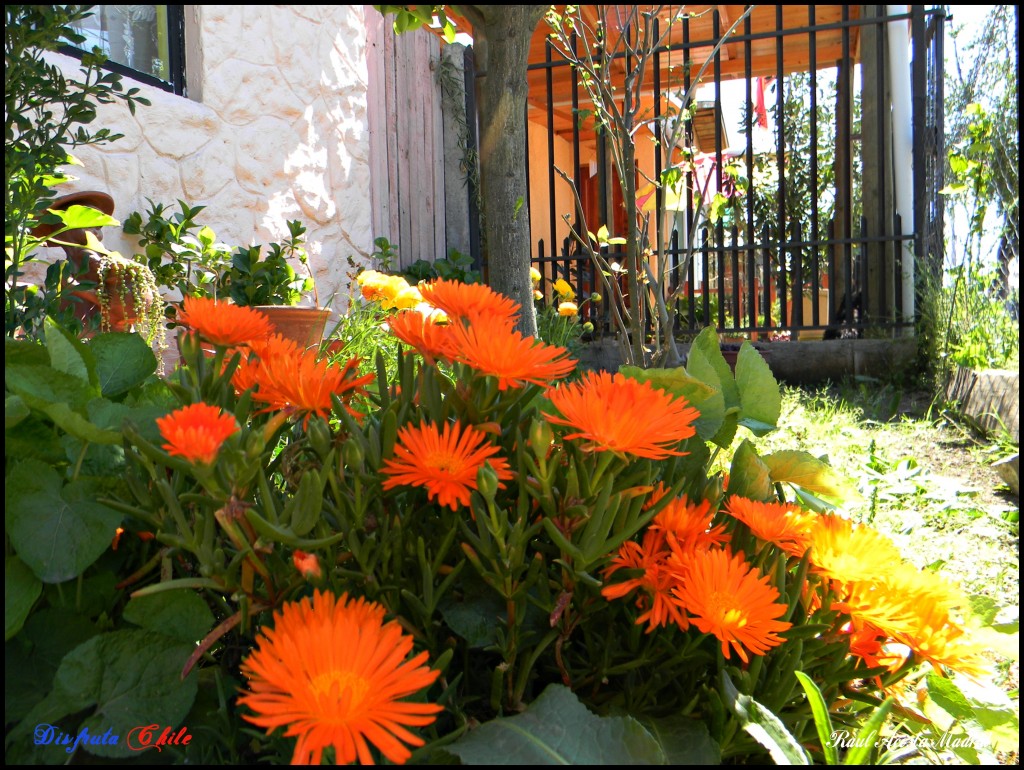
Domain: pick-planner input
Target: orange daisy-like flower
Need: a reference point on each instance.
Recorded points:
(197, 432)
(724, 596)
(445, 461)
(490, 346)
(688, 525)
(783, 524)
(468, 301)
(296, 379)
(332, 673)
(433, 340)
(247, 372)
(222, 323)
(617, 414)
(655, 582)
(307, 564)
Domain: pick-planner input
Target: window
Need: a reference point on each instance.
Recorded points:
(143, 42)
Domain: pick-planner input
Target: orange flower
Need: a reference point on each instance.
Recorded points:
(196, 432)
(248, 370)
(783, 524)
(655, 582)
(307, 564)
(617, 414)
(222, 323)
(332, 672)
(725, 597)
(490, 346)
(433, 340)
(568, 309)
(468, 301)
(688, 525)
(444, 462)
(294, 379)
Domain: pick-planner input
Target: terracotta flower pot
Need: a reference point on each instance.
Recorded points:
(304, 325)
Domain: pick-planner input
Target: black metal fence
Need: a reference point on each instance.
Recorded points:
(818, 252)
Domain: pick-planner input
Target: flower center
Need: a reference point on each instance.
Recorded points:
(725, 608)
(338, 683)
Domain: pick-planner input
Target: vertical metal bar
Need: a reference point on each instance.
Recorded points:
(766, 280)
(705, 278)
(815, 229)
(737, 281)
(886, 311)
(797, 284)
(549, 100)
(749, 126)
(574, 75)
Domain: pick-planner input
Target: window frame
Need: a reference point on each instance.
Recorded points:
(175, 56)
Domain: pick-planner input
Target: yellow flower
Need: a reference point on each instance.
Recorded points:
(535, 275)
(568, 310)
(538, 295)
(564, 289)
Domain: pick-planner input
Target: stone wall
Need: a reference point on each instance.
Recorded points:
(274, 128)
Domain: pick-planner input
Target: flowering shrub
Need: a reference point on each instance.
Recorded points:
(296, 561)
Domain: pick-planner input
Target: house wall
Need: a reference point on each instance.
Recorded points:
(540, 166)
(275, 128)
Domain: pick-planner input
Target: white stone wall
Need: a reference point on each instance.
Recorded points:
(275, 128)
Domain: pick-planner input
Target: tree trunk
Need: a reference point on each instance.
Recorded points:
(502, 45)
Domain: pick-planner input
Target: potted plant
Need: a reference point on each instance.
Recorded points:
(270, 284)
(187, 257)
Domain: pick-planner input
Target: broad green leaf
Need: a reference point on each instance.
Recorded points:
(24, 352)
(124, 679)
(68, 354)
(81, 427)
(123, 361)
(557, 729)
(748, 475)
(994, 711)
(58, 530)
(41, 386)
(182, 614)
(760, 399)
(808, 472)
(84, 217)
(707, 399)
(21, 589)
(34, 439)
(685, 741)
(706, 349)
(763, 726)
(822, 721)
(15, 411)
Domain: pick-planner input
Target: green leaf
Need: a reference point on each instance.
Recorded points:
(864, 742)
(748, 475)
(808, 472)
(181, 614)
(15, 410)
(705, 353)
(68, 355)
(41, 386)
(21, 589)
(557, 729)
(123, 361)
(474, 617)
(84, 217)
(58, 530)
(125, 679)
(763, 726)
(760, 399)
(685, 741)
(822, 721)
(707, 399)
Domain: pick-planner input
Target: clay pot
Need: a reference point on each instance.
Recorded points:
(303, 325)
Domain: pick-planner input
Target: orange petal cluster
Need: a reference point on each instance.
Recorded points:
(333, 673)
(614, 413)
(444, 462)
(222, 323)
(197, 432)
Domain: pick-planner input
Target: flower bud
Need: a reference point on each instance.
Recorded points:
(352, 453)
(541, 437)
(319, 436)
(307, 564)
(487, 482)
(595, 297)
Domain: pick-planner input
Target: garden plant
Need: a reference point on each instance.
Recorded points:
(472, 559)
